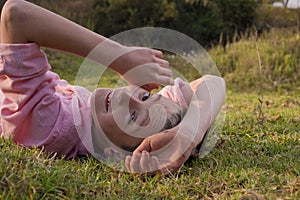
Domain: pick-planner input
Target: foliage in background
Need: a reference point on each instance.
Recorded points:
(268, 17)
(78, 11)
(204, 21)
(201, 20)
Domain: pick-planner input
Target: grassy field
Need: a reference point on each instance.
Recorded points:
(257, 156)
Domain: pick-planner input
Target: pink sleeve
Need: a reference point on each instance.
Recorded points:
(31, 110)
(27, 88)
(174, 92)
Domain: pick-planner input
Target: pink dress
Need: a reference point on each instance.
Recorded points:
(40, 109)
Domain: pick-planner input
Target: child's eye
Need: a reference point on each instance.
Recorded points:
(132, 116)
(146, 96)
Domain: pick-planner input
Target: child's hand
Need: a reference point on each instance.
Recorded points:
(163, 153)
(142, 163)
(143, 67)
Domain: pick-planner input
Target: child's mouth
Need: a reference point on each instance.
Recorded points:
(107, 101)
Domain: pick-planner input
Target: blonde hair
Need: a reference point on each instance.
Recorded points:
(174, 119)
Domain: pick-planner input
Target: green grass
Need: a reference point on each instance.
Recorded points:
(256, 158)
(252, 158)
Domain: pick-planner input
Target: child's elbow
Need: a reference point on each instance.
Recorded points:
(217, 80)
(217, 87)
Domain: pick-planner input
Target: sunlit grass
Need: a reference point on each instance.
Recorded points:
(250, 159)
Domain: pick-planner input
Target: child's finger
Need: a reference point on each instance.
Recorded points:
(127, 163)
(162, 62)
(153, 164)
(144, 146)
(164, 80)
(157, 53)
(163, 71)
(145, 162)
(135, 163)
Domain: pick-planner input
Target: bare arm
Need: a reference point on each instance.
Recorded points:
(24, 22)
(205, 96)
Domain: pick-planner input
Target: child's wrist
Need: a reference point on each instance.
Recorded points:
(108, 51)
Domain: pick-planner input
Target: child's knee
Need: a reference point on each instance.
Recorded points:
(11, 12)
(11, 22)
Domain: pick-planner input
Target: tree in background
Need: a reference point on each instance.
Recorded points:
(202, 20)
(121, 15)
(78, 11)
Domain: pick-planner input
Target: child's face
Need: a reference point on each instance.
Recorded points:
(128, 115)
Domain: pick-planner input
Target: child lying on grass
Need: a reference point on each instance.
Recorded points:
(41, 110)
(37, 109)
